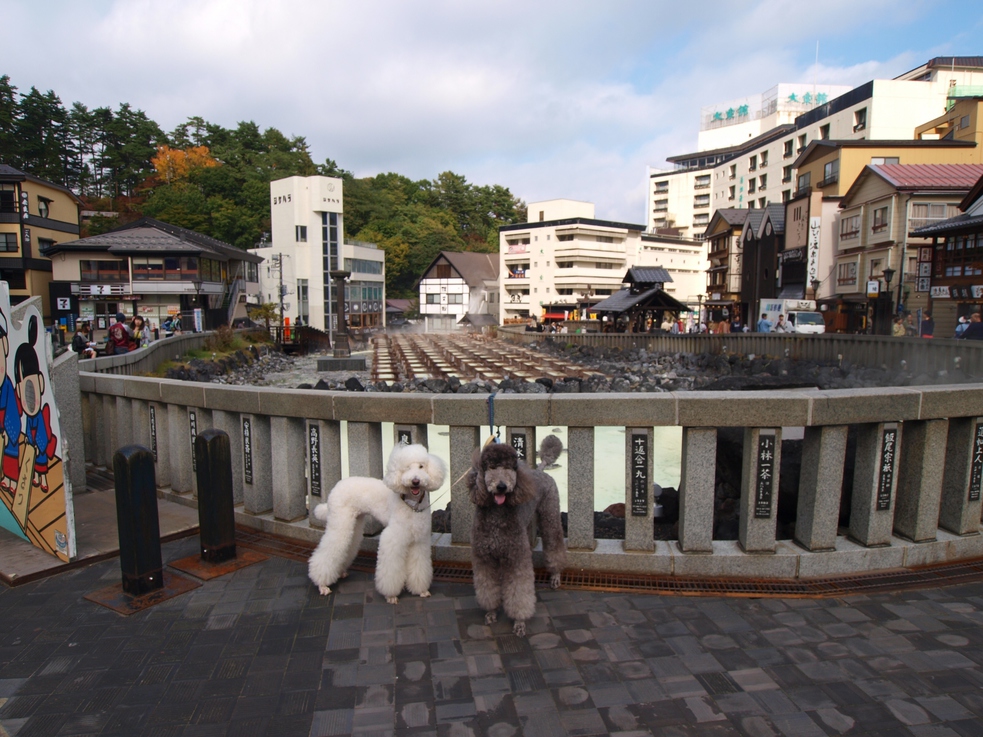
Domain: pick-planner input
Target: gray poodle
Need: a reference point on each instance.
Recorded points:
(507, 494)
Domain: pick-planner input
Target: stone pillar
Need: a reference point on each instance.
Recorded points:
(759, 489)
(523, 439)
(157, 418)
(89, 423)
(463, 443)
(108, 431)
(963, 478)
(257, 495)
(324, 463)
(696, 489)
(365, 449)
(411, 435)
(820, 487)
(179, 448)
(231, 425)
(916, 515)
(580, 488)
(288, 444)
(874, 483)
(638, 489)
(124, 422)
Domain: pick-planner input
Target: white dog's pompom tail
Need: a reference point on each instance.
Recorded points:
(321, 512)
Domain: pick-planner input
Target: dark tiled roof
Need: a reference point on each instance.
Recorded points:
(733, 215)
(952, 225)
(647, 275)
(959, 61)
(153, 236)
(776, 214)
(624, 300)
(754, 218)
(474, 268)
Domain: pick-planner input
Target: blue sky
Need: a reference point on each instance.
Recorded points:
(552, 99)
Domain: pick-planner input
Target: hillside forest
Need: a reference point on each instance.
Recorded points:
(215, 180)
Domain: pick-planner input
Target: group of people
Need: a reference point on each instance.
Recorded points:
(122, 337)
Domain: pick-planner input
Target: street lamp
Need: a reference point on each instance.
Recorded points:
(815, 288)
(888, 276)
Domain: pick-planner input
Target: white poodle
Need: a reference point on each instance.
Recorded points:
(401, 503)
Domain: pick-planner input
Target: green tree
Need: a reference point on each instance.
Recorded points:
(9, 147)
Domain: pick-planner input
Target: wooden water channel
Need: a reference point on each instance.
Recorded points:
(468, 357)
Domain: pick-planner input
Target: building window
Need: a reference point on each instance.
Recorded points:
(603, 265)
(762, 201)
(859, 119)
(850, 227)
(605, 239)
(751, 205)
(8, 198)
(731, 191)
(564, 264)
(433, 299)
(803, 140)
(752, 163)
(881, 160)
(300, 233)
(733, 171)
(701, 218)
(43, 206)
(764, 159)
(846, 274)
(805, 181)
(831, 173)
(964, 121)
(701, 200)
(455, 299)
(752, 185)
(786, 174)
(880, 219)
(660, 206)
(542, 216)
(923, 213)
(8, 242)
(364, 266)
(786, 195)
(303, 303)
(788, 149)
(148, 269)
(824, 132)
(252, 272)
(569, 237)
(662, 187)
(702, 181)
(762, 182)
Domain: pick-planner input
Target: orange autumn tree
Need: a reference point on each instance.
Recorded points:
(175, 164)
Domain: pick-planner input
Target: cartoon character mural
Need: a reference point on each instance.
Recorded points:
(34, 489)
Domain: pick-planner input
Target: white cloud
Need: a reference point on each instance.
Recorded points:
(550, 98)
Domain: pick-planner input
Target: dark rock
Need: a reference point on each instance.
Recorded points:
(545, 381)
(453, 383)
(305, 386)
(352, 384)
(437, 386)
(322, 385)
(381, 386)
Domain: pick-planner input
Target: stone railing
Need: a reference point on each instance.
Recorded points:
(920, 355)
(916, 481)
(145, 360)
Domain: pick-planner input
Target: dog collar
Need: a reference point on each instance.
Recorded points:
(418, 508)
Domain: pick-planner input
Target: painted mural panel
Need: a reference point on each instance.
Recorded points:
(34, 489)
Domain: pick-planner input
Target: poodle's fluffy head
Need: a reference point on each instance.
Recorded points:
(498, 478)
(412, 472)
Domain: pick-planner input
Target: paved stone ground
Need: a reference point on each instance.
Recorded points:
(259, 652)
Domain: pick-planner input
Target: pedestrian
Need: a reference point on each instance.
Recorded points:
(974, 330)
(910, 329)
(764, 324)
(928, 325)
(961, 327)
(81, 344)
(139, 333)
(898, 329)
(781, 326)
(118, 340)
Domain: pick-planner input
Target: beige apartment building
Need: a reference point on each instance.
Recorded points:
(35, 215)
(565, 260)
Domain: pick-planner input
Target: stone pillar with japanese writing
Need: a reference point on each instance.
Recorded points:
(962, 481)
(523, 439)
(696, 488)
(874, 483)
(411, 435)
(257, 464)
(919, 494)
(638, 489)
(323, 463)
(759, 489)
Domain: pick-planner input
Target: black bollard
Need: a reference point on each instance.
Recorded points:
(216, 514)
(136, 517)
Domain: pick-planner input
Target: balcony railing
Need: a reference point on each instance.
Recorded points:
(831, 179)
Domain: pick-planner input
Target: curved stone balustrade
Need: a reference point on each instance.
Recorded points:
(145, 360)
(916, 497)
(919, 354)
